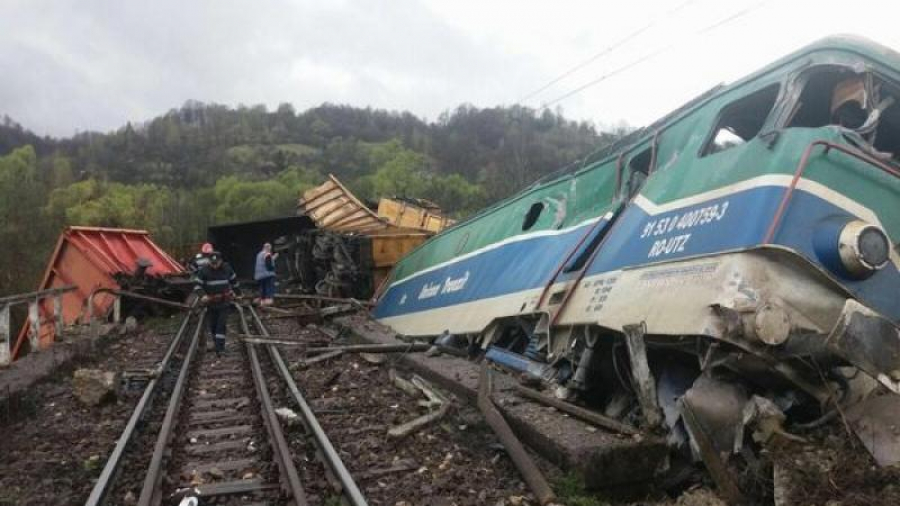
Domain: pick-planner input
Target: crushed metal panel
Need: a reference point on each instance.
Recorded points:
(869, 341)
(332, 205)
(717, 467)
(719, 409)
(876, 421)
(644, 382)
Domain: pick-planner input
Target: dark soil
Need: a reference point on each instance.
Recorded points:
(836, 470)
(53, 454)
(457, 460)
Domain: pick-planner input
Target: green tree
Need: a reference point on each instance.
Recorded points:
(23, 235)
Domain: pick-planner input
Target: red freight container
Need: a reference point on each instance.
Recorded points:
(90, 258)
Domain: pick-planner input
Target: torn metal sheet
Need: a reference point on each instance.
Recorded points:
(674, 380)
(869, 341)
(719, 409)
(645, 385)
(718, 469)
(876, 422)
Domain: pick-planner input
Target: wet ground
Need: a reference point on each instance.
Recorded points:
(54, 447)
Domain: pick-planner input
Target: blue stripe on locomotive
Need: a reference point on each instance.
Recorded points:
(513, 267)
(736, 221)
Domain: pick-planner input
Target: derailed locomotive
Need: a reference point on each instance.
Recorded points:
(738, 251)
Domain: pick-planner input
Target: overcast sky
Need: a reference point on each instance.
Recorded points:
(68, 66)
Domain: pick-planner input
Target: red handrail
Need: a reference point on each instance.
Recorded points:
(801, 167)
(565, 261)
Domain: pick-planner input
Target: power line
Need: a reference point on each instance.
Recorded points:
(653, 54)
(606, 51)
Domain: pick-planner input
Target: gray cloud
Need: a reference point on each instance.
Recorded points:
(94, 65)
(68, 65)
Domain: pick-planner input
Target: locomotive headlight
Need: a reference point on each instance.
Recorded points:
(864, 248)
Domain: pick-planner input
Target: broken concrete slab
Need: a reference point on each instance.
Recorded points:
(19, 376)
(603, 459)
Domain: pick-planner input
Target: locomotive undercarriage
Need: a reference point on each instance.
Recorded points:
(767, 373)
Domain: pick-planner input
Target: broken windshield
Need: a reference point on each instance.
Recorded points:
(861, 102)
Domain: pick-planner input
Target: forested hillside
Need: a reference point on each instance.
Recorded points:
(206, 163)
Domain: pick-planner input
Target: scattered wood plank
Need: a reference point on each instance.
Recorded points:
(276, 309)
(577, 411)
(286, 337)
(266, 340)
(321, 298)
(726, 482)
(434, 397)
(339, 310)
(374, 348)
(526, 466)
(294, 314)
(405, 385)
(373, 358)
(306, 362)
(412, 426)
(400, 466)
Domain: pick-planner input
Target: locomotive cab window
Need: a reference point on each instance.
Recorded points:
(864, 103)
(741, 120)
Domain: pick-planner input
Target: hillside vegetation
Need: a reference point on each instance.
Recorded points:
(204, 163)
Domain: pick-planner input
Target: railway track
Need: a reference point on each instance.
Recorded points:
(219, 438)
(339, 476)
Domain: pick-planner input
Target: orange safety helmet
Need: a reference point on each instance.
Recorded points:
(206, 249)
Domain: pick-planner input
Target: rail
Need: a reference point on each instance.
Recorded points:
(329, 454)
(153, 478)
(108, 475)
(280, 446)
(801, 167)
(33, 299)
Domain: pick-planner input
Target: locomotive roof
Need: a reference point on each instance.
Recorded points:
(816, 53)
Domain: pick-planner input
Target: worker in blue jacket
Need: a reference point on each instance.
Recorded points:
(218, 285)
(264, 274)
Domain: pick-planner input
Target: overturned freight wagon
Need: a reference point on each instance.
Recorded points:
(394, 227)
(733, 261)
(94, 261)
(336, 245)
